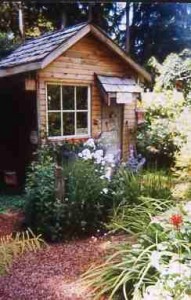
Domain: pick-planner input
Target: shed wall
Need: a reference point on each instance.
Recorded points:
(77, 66)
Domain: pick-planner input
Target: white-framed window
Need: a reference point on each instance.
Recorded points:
(68, 110)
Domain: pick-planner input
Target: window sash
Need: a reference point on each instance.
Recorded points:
(75, 111)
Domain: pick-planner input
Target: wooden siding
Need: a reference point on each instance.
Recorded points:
(128, 129)
(77, 66)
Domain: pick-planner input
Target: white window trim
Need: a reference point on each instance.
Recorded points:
(77, 136)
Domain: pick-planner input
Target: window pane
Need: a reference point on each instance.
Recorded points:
(53, 92)
(68, 97)
(82, 97)
(82, 123)
(54, 124)
(68, 124)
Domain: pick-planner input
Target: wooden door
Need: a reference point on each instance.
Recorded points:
(112, 127)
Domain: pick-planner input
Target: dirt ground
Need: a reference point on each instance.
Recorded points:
(51, 273)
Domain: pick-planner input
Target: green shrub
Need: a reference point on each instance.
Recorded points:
(159, 141)
(87, 197)
(84, 207)
(161, 137)
(40, 194)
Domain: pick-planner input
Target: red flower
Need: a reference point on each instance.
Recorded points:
(176, 220)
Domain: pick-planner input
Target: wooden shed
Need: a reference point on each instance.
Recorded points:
(73, 83)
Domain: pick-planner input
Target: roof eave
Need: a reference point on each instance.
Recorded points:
(20, 69)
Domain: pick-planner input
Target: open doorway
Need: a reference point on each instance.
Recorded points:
(17, 120)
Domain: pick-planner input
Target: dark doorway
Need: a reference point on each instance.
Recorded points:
(17, 120)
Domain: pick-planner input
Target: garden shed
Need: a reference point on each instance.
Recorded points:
(73, 83)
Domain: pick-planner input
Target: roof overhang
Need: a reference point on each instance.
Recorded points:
(98, 33)
(121, 90)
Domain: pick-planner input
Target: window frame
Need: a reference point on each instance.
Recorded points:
(75, 111)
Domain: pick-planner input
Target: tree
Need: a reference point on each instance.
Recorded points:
(159, 29)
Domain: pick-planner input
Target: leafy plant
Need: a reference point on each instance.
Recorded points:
(156, 184)
(134, 219)
(40, 194)
(125, 187)
(11, 202)
(84, 205)
(155, 267)
(87, 201)
(12, 246)
(161, 138)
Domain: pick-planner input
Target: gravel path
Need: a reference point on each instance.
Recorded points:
(52, 273)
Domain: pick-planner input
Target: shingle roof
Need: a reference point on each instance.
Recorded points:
(112, 84)
(37, 49)
(37, 53)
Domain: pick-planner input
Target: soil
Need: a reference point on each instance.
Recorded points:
(11, 222)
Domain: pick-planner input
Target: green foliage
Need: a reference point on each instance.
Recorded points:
(11, 202)
(125, 187)
(40, 193)
(151, 36)
(135, 218)
(6, 44)
(12, 246)
(87, 200)
(81, 209)
(161, 137)
(156, 184)
(142, 196)
(158, 264)
(175, 67)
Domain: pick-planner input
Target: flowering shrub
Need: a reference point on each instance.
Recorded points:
(107, 161)
(87, 200)
(157, 267)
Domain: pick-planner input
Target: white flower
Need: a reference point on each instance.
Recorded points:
(109, 158)
(187, 208)
(155, 259)
(157, 292)
(162, 246)
(90, 143)
(86, 154)
(80, 154)
(177, 268)
(103, 162)
(98, 156)
(105, 190)
(108, 173)
(170, 283)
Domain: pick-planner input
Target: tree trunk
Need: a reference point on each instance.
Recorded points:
(127, 31)
(21, 21)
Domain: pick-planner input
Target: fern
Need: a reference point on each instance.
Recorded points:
(12, 246)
